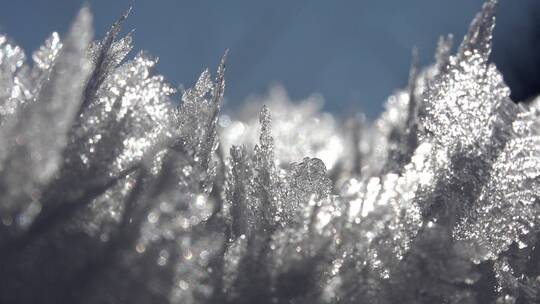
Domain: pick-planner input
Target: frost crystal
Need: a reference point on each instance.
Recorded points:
(112, 194)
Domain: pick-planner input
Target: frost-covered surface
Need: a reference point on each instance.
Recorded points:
(112, 194)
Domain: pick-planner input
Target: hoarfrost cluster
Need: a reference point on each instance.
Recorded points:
(111, 193)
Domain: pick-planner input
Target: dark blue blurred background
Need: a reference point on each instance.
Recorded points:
(355, 53)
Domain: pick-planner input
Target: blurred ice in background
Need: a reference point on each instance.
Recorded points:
(354, 53)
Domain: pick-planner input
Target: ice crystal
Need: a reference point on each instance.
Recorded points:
(315, 135)
(111, 193)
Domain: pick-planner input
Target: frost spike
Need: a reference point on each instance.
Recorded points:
(265, 120)
(44, 123)
(413, 74)
(102, 64)
(442, 53)
(219, 89)
(52, 115)
(478, 38)
(37, 137)
(220, 78)
(266, 165)
(217, 100)
(412, 117)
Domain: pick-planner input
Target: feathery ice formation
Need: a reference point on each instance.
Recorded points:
(112, 194)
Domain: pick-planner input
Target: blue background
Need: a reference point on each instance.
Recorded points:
(355, 53)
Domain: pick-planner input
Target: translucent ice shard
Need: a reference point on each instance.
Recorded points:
(33, 141)
(197, 120)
